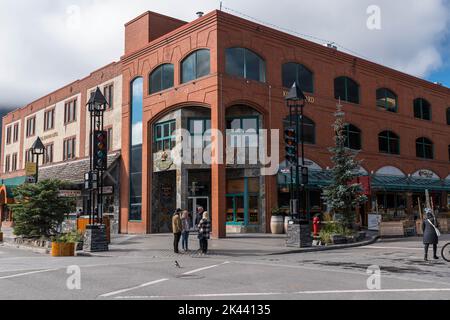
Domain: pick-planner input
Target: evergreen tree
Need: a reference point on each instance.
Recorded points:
(341, 196)
(38, 209)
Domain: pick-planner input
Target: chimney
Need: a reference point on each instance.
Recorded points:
(200, 14)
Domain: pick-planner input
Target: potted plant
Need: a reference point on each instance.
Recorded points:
(63, 245)
(277, 221)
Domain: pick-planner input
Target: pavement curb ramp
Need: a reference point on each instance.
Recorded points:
(370, 241)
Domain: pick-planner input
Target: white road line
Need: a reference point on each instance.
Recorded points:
(205, 268)
(243, 294)
(133, 288)
(26, 274)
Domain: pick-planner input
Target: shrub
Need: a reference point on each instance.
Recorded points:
(38, 209)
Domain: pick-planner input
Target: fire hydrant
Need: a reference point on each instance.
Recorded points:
(316, 225)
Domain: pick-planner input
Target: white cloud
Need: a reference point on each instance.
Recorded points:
(44, 47)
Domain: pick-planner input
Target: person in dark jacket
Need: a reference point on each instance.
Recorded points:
(204, 229)
(430, 236)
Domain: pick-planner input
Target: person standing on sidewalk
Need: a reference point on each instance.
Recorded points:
(204, 229)
(186, 226)
(430, 233)
(176, 229)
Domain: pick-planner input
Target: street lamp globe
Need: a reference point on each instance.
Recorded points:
(97, 101)
(38, 147)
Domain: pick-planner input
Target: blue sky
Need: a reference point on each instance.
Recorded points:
(57, 42)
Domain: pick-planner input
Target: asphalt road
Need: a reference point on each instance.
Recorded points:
(340, 274)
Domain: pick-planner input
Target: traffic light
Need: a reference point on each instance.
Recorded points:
(291, 146)
(305, 175)
(100, 150)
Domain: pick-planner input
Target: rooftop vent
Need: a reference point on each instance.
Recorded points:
(438, 83)
(200, 14)
(331, 45)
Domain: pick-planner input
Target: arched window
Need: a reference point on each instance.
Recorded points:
(448, 116)
(389, 142)
(161, 78)
(353, 135)
(246, 64)
(346, 89)
(424, 148)
(309, 128)
(422, 109)
(196, 65)
(137, 97)
(387, 99)
(293, 72)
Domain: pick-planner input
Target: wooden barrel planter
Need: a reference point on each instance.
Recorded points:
(63, 249)
(277, 224)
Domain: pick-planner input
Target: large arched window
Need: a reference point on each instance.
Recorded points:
(346, 89)
(422, 109)
(389, 142)
(161, 78)
(387, 99)
(293, 72)
(196, 65)
(137, 87)
(448, 116)
(309, 128)
(246, 64)
(353, 135)
(424, 148)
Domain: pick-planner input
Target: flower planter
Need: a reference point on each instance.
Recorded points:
(277, 224)
(62, 249)
(338, 239)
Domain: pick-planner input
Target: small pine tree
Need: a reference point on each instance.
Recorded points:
(341, 196)
(38, 210)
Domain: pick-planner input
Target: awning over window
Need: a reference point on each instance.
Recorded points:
(72, 171)
(323, 178)
(399, 183)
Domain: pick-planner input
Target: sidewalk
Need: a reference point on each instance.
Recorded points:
(235, 245)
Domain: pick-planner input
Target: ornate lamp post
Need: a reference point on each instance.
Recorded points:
(37, 149)
(95, 239)
(295, 101)
(299, 233)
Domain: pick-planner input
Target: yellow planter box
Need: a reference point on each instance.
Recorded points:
(60, 249)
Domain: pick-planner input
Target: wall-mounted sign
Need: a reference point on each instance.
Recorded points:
(70, 193)
(49, 136)
(309, 99)
(425, 174)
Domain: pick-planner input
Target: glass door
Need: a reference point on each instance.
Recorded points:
(194, 203)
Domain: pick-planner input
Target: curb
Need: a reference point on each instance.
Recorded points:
(22, 247)
(327, 248)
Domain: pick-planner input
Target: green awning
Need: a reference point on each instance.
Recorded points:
(403, 183)
(317, 178)
(16, 181)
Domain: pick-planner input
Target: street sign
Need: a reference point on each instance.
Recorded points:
(30, 169)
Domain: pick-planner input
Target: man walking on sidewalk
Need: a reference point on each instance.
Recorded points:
(176, 229)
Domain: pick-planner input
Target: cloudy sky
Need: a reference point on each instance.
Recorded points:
(49, 43)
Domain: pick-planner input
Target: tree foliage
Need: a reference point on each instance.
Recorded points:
(342, 196)
(38, 210)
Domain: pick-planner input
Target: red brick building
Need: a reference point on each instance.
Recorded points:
(223, 72)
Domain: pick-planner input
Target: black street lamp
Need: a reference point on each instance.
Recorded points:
(295, 100)
(94, 178)
(37, 149)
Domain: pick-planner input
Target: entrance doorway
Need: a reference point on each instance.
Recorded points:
(193, 204)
